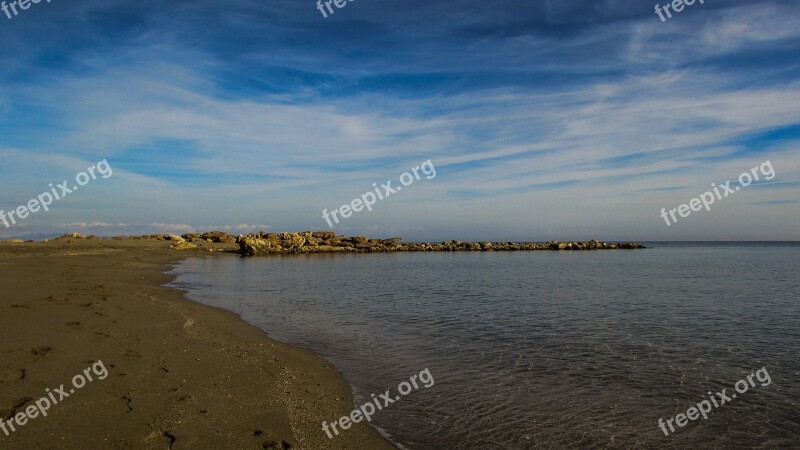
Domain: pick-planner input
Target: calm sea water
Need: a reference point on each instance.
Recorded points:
(541, 349)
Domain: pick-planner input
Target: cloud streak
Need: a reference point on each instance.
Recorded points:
(567, 121)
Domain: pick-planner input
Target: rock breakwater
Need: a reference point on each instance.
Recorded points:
(329, 242)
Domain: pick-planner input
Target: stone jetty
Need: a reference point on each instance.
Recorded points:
(263, 243)
(328, 242)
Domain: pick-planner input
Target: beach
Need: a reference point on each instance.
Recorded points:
(179, 374)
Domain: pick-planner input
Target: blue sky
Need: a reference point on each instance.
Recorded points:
(544, 119)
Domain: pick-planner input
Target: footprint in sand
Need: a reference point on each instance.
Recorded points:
(128, 402)
(276, 445)
(9, 410)
(41, 351)
(9, 375)
(132, 353)
(171, 438)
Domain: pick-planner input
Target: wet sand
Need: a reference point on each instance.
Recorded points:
(180, 374)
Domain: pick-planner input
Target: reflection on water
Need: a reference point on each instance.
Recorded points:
(545, 349)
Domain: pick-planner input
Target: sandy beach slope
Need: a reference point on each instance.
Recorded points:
(180, 374)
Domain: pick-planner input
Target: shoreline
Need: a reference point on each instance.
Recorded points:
(179, 372)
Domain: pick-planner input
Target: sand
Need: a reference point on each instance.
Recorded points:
(180, 374)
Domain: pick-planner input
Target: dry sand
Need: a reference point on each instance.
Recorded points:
(181, 374)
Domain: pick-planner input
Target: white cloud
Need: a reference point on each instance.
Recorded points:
(93, 225)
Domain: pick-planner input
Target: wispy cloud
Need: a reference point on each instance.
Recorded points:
(565, 121)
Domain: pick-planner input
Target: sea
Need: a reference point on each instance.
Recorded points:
(543, 349)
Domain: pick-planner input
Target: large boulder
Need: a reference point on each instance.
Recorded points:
(250, 245)
(219, 237)
(292, 240)
(313, 241)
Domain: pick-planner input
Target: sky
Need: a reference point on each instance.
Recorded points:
(544, 120)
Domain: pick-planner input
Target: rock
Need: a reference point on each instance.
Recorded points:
(313, 241)
(218, 237)
(249, 245)
(173, 237)
(183, 245)
(329, 249)
(292, 240)
(190, 236)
